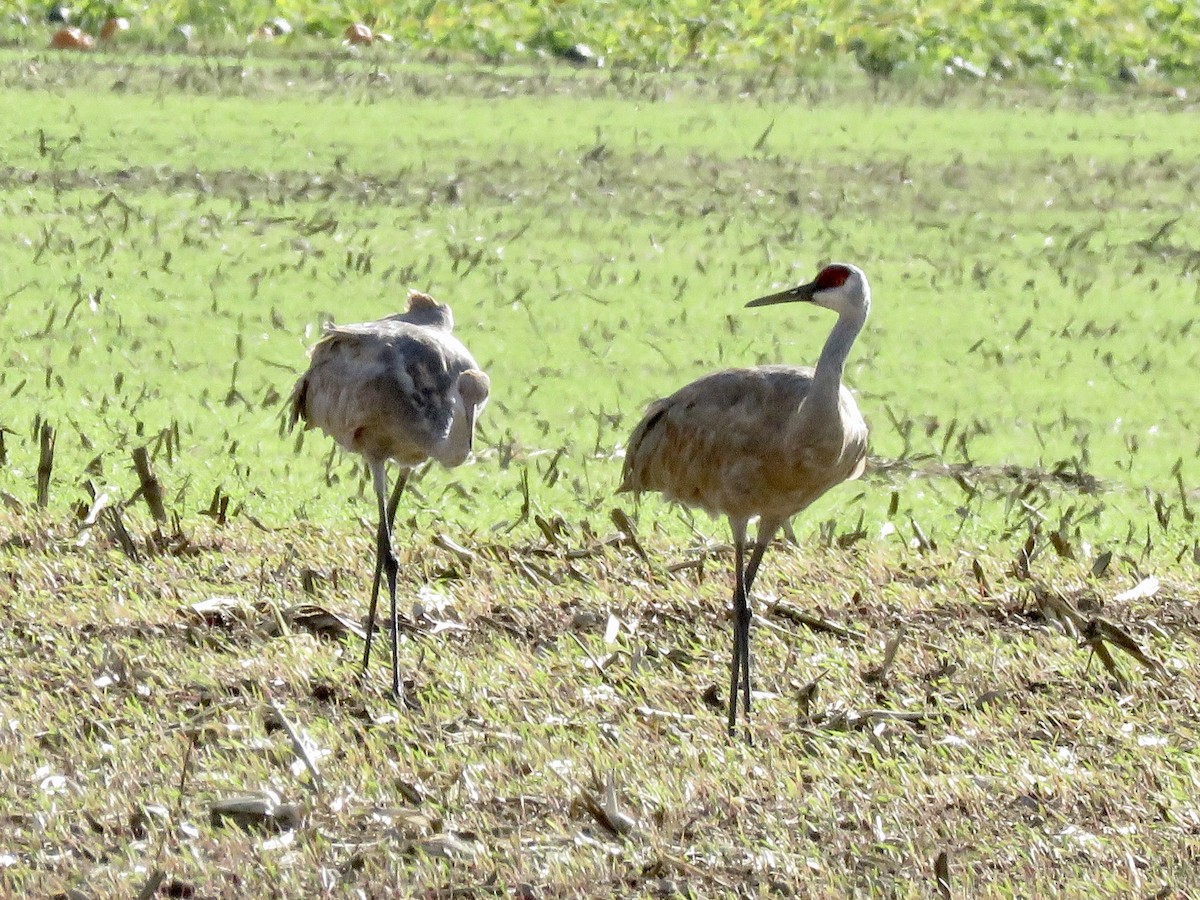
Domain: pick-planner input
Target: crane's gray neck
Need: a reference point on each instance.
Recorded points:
(827, 380)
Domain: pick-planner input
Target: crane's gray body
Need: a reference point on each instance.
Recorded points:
(761, 442)
(391, 389)
(739, 442)
(400, 388)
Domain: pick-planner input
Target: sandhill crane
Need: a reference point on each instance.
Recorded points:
(759, 442)
(400, 388)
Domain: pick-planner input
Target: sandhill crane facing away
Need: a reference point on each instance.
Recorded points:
(400, 388)
(760, 442)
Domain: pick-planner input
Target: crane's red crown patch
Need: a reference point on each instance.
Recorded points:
(832, 277)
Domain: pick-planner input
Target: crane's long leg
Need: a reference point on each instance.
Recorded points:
(385, 560)
(745, 574)
(766, 531)
(393, 504)
(741, 624)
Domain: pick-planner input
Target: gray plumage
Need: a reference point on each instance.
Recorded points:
(400, 388)
(761, 442)
(736, 443)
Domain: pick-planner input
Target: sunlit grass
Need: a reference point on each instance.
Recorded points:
(1021, 315)
(170, 248)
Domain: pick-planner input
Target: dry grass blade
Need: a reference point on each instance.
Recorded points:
(941, 871)
(894, 715)
(121, 533)
(533, 574)
(986, 698)
(663, 866)
(647, 712)
(980, 576)
(623, 822)
(464, 555)
(1025, 557)
(523, 515)
(443, 846)
(250, 812)
(596, 664)
(1057, 609)
(155, 879)
(99, 504)
(1110, 664)
(150, 888)
(317, 620)
(1062, 545)
(1100, 566)
(924, 543)
(45, 463)
(549, 529)
(405, 822)
(595, 549)
(863, 719)
(880, 673)
(221, 612)
(762, 138)
(218, 508)
(685, 564)
(806, 696)
(298, 745)
(625, 526)
(1100, 631)
(605, 811)
(814, 623)
(151, 488)
(762, 622)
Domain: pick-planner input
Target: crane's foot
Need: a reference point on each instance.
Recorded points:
(746, 736)
(402, 697)
(732, 733)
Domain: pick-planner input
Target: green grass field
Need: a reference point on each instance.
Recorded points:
(175, 228)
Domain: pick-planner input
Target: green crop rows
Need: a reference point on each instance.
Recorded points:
(1064, 41)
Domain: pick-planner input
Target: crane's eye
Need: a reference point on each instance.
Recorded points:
(832, 277)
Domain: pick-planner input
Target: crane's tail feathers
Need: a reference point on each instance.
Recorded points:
(641, 450)
(418, 299)
(297, 410)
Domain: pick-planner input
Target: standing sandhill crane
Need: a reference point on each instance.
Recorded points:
(400, 388)
(760, 442)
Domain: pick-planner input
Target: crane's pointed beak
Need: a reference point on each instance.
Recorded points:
(802, 293)
(471, 416)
